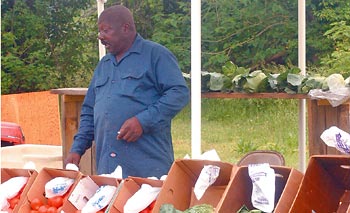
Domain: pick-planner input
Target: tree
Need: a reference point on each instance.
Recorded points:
(336, 14)
(50, 44)
(45, 44)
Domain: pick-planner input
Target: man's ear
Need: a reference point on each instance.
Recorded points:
(126, 27)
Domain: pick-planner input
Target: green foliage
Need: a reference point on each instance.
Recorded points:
(339, 60)
(249, 33)
(336, 15)
(49, 44)
(42, 45)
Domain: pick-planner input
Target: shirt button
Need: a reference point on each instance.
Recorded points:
(113, 81)
(113, 155)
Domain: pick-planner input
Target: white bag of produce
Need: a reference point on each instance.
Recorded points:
(100, 199)
(10, 189)
(58, 186)
(141, 199)
(263, 193)
(206, 178)
(337, 138)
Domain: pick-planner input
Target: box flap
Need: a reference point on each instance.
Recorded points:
(127, 189)
(325, 181)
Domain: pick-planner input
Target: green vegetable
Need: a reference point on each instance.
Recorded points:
(334, 81)
(347, 82)
(253, 81)
(168, 208)
(244, 209)
(201, 208)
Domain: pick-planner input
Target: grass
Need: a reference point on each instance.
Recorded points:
(234, 127)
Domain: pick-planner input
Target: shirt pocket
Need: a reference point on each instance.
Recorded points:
(100, 87)
(133, 82)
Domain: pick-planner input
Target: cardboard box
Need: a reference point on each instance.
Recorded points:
(239, 190)
(8, 173)
(37, 190)
(128, 187)
(78, 193)
(179, 185)
(325, 186)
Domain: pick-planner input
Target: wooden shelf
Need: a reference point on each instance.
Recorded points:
(254, 95)
(69, 91)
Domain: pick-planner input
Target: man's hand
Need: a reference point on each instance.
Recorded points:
(131, 130)
(72, 158)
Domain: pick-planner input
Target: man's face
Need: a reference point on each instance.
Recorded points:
(111, 37)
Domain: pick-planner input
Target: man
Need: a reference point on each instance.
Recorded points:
(136, 90)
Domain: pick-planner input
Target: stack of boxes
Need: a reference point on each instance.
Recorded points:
(324, 187)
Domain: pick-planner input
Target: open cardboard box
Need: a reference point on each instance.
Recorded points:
(325, 186)
(8, 173)
(239, 191)
(179, 185)
(128, 187)
(86, 191)
(37, 190)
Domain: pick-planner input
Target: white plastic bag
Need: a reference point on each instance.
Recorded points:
(206, 178)
(9, 189)
(118, 173)
(141, 199)
(337, 138)
(58, 186)
(335, 97)
(263, 193)
(100, 199)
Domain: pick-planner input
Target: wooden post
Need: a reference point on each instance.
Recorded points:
(71, 100)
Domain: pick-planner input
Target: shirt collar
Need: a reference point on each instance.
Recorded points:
(135, 48)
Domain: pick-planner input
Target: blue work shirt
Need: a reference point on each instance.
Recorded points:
(146, 83)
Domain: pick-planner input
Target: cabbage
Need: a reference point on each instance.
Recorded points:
(253, 81)
(334, 82)
(347, 82)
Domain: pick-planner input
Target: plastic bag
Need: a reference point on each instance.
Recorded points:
(263, 192)
(206, 178)
(141, 199)
(335, 97)
(337, 138)
(9, 189)
(100, 199)
(58, 186)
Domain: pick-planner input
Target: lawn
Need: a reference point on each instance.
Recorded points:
(234, 127)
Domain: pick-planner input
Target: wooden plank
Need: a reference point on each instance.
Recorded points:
(326, 102)
(69, 91)
(73, 98)
(71, 107)
(316, 125)
(331, 115)
(344, 118)
(254, 95)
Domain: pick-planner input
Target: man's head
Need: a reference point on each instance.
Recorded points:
(116, 29)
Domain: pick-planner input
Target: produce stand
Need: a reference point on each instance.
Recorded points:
(321, 115)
